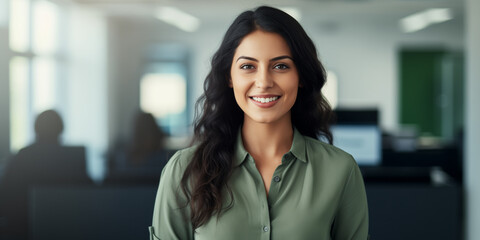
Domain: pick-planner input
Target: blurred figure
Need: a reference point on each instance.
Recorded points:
(147, 140)
(48, 127)
(45, 162)
(142, 159)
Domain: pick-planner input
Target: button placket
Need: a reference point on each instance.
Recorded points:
(264, 215)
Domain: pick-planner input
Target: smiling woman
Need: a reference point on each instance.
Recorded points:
(264, 78)
(257, 163)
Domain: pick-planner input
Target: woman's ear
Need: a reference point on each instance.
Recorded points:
(230, 82)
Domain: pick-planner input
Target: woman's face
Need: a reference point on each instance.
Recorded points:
(264, 77)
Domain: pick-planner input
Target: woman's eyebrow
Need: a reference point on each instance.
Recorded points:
(248, 58)
(271, 60)
(280, 58)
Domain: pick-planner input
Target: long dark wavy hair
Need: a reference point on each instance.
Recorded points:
(219, 118)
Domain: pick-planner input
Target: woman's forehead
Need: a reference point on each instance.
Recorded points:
(262, 44)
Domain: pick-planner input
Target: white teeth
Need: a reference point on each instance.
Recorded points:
(265, 100)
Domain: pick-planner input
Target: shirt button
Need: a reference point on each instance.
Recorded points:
(265, 229)
(276, 179)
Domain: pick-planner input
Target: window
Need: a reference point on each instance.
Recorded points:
(163, 88)
(163, 92)
(19, 95)
(34, 33)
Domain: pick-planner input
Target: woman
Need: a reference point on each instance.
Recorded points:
(258, 170)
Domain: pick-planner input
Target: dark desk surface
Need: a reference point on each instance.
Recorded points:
(415, 211)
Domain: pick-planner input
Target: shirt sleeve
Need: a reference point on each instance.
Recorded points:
(171, 217)
(351, 221)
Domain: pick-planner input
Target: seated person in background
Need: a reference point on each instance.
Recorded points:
(45, 162)
(142, 159)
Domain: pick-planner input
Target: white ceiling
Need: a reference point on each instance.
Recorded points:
(213, 12)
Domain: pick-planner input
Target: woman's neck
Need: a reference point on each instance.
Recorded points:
(267, 139)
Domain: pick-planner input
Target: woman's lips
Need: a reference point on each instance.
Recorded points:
(265, 101)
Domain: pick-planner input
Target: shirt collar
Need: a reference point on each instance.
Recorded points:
(298, 149)
(240, 152)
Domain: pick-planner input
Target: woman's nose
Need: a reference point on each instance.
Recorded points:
(263, 78)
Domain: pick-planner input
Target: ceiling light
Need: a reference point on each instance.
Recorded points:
(413, 23)
(178, 18)
(438, 15)
(421, 20)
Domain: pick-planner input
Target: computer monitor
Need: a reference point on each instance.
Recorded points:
(362, 141)
(357, 132)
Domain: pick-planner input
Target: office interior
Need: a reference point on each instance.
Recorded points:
(404, 90)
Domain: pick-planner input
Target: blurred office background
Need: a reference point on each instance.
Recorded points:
(404, 76)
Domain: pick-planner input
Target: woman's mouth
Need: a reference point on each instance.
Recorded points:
(265, 100)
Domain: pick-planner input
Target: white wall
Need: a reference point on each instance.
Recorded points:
(126, 47)
(472, 130)
(4, 84)
(4, 93)
(3, 13)
(86, 107)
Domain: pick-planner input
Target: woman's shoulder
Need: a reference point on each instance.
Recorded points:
(327, 152)
(180, 160)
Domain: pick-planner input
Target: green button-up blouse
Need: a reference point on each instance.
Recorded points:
(316, 193)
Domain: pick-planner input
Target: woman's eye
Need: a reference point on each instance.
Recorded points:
(281, 66)
(247, 66)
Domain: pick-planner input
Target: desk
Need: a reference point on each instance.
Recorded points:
(412, 211)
